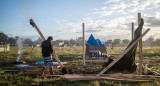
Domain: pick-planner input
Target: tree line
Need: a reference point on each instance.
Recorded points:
(4, 39)
(117, 42)
(152, 42)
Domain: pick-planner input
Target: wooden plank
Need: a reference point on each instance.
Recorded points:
(116, 74)
(12, 70)
(132, 30)
(83, 44)
(140, 48)
(114, 54)
(54, 75)
(1, 71)
(57, 59)
(95, 61)
(31, 20)
(116, 60)
(110, 77)
(53, 54)
(155, 71)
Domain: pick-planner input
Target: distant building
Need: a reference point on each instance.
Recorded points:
(58, 43)
(4, 48)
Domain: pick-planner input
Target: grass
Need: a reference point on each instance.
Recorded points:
(151, 56)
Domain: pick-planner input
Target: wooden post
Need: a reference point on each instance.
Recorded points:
(4, 47)
(132, 30)
(31, 20)
(83, 43)
(140, 48)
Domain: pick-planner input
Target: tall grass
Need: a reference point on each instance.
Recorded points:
(151, 56)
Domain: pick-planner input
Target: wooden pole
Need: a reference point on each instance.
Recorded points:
(83, 44)
(121, 55)
(132, 30)
(53, 54)
(31, 20)
(140, 48)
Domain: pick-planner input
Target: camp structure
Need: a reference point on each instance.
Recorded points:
(125, 61)
(95, 48)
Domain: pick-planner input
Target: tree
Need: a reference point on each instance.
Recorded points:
(39, 40)
(79, 41)
(125, 41)
(150, 40)
(12, 41)
(27, 41)
(66, 42)
(108, 42)
(116, 42)
(3, 38)
(17, 37)
(72, 41)
(157, 42)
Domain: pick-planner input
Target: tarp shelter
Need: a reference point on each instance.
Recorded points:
(127, 62)
(94, 44)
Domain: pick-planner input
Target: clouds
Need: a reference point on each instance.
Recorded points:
(120, 5)
(113, 20)
(111, 1)
(157, 14)
(152, 21)
(104, 13)
(127, 6)
(133, 3)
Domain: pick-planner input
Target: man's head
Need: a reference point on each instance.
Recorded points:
(50, 38)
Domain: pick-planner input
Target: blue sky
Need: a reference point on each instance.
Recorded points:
(105, 19)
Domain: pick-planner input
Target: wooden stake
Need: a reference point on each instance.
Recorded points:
(119, 57)
(4, 47)
(140, 48)
(83, 44)
(132, 30)
(53, 54)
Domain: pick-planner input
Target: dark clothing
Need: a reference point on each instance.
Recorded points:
(46, 48)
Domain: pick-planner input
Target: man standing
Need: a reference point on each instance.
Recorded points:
(46, 53)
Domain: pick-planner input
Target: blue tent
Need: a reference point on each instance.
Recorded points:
(99, 42)
(94, 42)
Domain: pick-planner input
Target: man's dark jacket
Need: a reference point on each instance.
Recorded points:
(46, 48)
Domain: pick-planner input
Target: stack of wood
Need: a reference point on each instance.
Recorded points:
(28, 70)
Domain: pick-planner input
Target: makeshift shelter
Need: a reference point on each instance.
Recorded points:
(127, 62)
(95, 45)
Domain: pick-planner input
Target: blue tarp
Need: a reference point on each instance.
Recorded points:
(99, 42)
(40, 62)
(94, 42)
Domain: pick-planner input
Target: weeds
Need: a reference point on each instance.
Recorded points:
(151, 57)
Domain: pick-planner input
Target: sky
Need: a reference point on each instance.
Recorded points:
(62, 19)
